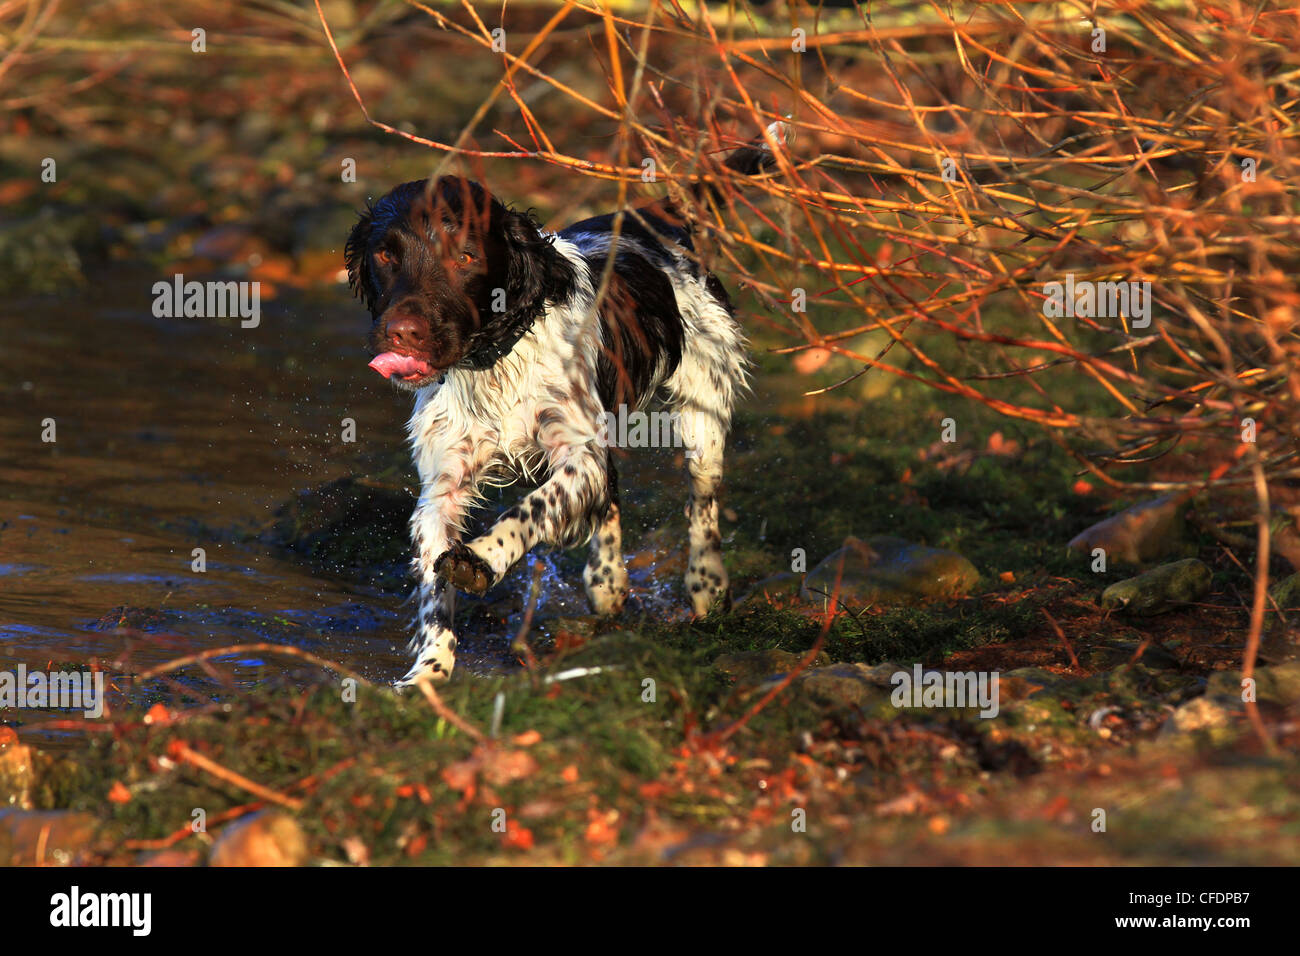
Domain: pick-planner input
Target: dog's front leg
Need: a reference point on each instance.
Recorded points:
(560, 512)
(448, 486)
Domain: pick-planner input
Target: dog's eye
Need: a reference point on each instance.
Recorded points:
(385, 258)
(464, 259)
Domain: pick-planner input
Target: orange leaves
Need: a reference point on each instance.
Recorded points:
(417, 790)
(601, 828)
(526, 739)
(118, 793)
(487, 765)
(517, 837)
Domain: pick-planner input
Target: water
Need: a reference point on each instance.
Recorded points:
(177, 434)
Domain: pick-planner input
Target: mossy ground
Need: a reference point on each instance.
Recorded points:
(586, 768)
(589, 769)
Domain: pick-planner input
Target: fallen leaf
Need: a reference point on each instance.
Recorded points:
(118, 793)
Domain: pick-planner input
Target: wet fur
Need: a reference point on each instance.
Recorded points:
(662, 329)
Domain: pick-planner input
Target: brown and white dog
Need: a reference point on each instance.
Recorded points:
(513, 356)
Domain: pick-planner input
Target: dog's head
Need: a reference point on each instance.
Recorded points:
(446, 270)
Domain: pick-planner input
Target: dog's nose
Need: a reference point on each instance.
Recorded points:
(406, 334)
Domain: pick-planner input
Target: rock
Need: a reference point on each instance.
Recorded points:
(1199, 714)
(844, 685)
(1280, 645)
(351, 523)
(269, 838)
(1160, 589)
(1276, 685)
(888, 570)
(1118, 651)
(753, 667)
(16, 775)
(1041, 676)
(1138, 535)
(1286, 593)
(43, 837)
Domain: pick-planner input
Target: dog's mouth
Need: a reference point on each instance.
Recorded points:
(404, 368)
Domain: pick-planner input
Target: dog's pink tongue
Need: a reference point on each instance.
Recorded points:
(389, 364)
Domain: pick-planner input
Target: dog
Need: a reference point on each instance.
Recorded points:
(515, 343)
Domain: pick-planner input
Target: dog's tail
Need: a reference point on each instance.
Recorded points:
(757, 156)
(753, 158)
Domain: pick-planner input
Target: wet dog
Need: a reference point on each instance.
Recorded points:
(516, 343)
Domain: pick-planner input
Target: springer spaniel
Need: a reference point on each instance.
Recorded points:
(515, 343)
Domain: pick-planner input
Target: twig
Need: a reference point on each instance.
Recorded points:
(263, 648)
(445, 712)
(178, 750)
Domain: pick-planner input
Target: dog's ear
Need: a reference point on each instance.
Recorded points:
(535, 269)
(356, 255)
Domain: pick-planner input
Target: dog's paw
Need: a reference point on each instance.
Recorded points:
(421, 670)
(464, 570)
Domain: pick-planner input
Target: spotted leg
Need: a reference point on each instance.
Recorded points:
(605, 576)
(436, 526)
(706, 576)
(560, 512)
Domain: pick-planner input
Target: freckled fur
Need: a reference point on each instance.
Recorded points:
(664, 330)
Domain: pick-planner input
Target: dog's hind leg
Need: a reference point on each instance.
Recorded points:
(701, 393)
(605, 576)
(706, 575)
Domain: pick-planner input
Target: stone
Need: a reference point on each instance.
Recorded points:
(1198, 714)
(888, 570)
(16, 774)
(844, 685)
(753, 667)
(269, 838)
(1160, 589)
(1275, 685)
(1286, 593)
(1146, 532)
(44, 837)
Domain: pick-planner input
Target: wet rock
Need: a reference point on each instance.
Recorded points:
(1280, 645)
(1160, 589)
(44, 837)
(1038, 677)
(16, 774)
(1286, 593)
(888, 570)
(351, 523)
(39, 253)
(1146, 532)
(1198, 715)
(843, 685)
(1276, 685)
(753, 667)
(1118, 651)
(269, 838)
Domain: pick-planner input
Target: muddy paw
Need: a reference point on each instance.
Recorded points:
(463, 570)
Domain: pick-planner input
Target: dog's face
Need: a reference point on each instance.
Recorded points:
(443, 268)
